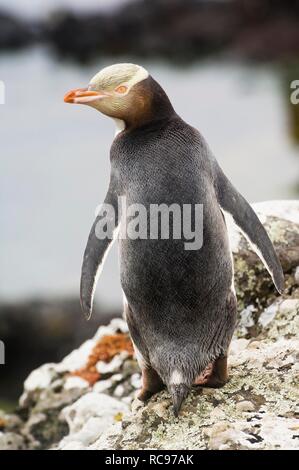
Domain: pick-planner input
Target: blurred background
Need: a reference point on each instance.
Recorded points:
(226, 65)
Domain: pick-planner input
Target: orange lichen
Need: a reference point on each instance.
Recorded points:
(2, 423)
(105, 350)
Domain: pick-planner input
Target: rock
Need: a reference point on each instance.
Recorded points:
(77, 358)
(245, 406)
(136, 381)
(11, 441)
(60, 403)
(75, 382)
(260, 395)
(116, 324)
(88, 417)
(112, 366)
(40, 378)
(103, 386)
(9, 422)
(286, 210)
(268, 315)
(246, 320)
(119, 391)
(254, 287)
(225, 435)
(88, 400)
(285, 323)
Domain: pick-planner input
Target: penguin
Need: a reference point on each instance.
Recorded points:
(180, 305)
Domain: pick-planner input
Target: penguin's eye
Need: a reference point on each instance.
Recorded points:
(121, 89)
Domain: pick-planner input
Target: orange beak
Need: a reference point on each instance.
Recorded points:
(83, 96)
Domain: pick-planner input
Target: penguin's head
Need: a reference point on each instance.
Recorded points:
(121, 91)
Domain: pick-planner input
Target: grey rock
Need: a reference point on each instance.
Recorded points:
(88, 417)
(255, 410)
(11, 441)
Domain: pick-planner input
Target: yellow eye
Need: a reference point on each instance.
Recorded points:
(121, 89)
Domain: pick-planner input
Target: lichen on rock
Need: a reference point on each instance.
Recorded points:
(260, 396)
(88, 400)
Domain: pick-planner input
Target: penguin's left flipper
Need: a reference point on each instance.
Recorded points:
(231, 201)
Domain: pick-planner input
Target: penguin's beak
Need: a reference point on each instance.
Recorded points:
(83, 96)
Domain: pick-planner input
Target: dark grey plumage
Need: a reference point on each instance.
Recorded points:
(181, 309)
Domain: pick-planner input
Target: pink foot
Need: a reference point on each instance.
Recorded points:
(204, 376)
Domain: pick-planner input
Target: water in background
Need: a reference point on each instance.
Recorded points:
(54, 163)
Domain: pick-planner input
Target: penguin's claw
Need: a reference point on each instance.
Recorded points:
(213, 382)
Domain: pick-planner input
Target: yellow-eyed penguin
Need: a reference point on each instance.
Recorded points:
(180, 303)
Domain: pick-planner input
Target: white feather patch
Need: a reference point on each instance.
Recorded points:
(230, 218)
(101, 265)
(176, 378)
(128, 74)
(120, 126)
(140, 359)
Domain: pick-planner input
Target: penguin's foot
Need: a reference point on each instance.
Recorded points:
(215, 375)
(214, 382)
(204, 376)
(151, 384)
(144, 395)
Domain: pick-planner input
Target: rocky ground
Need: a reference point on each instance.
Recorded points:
(88, 400)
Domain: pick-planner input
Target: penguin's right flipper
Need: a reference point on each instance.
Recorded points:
(97, 248)
(231, 201)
